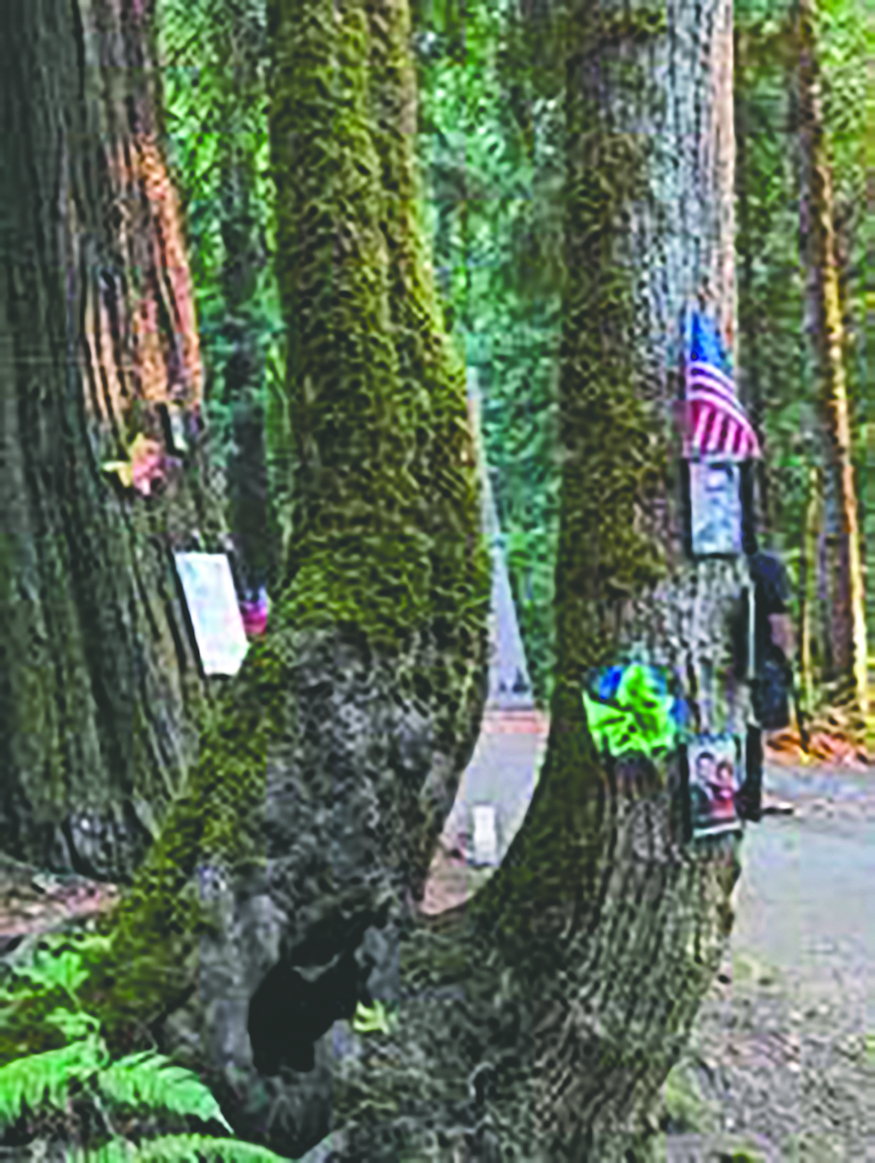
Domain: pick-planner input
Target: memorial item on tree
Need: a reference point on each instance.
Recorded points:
(711, 766)
(630, 709)
(213, 609)
(145, 468)
(715, 508)
(717, 439)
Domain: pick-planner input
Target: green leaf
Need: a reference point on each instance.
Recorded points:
(379, 1019)
(155, 1081)
(74, 1025)
(175, 1149)
(41, 1078)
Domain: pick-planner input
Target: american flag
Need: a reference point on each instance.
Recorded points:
(715, 424)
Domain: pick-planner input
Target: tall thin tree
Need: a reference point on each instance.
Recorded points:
(828, 335)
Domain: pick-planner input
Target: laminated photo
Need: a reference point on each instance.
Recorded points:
(715, 508)
(714, 776)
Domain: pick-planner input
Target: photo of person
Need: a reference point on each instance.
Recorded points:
(715, 500)
(713, 783)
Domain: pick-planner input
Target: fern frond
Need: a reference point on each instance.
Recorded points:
(74, 1025)
(176, 1149)
(115, 1151)
(56, 961)
(154, 1080)
(41, 1078)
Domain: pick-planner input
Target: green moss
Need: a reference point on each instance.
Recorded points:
(612, 458)
(385, 514)
(385, 507)
(641, 24)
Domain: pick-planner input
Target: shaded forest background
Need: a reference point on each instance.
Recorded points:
(491, 143)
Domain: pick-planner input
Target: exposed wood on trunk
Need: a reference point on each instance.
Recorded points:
(807, 588)
(846, 568)
(101, 695)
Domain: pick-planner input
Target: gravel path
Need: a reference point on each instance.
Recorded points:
(781, 1065)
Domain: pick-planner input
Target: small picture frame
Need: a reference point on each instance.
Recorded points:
(715, 508)
(211, 602)
(713, 773)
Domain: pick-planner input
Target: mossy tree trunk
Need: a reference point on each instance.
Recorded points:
(100, 694)
(539, 1022)
(326, 775)
(542, 1019)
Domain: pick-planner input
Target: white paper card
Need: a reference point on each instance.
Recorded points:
(715, 496)
(215, 615)
(485, 842)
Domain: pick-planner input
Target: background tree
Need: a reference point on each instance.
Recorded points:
(101, 694)
(492, 151)
(847, 589)
(213, 59)
(779, 368)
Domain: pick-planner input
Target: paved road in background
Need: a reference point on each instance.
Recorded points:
(805, 902)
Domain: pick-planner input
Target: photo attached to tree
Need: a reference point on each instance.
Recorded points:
(714, 776)
(715, 508)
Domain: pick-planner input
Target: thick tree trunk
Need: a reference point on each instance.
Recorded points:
(543, 1018)
(101, 695)
(848, 623)
(326, 776)
(540, 1022)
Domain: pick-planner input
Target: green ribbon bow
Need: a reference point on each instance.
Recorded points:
(637, 719)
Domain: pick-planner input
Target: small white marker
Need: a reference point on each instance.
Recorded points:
(485, 843)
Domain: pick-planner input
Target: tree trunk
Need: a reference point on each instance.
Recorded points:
(848, 629)
(543, 1018)
(325, 778)
(540, 1021)
(101, 693)
(807, 589)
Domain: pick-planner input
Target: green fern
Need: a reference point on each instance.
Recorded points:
(176, 1149)
(27, 1081)
(74, 1025)
(154, 1080)
(147, 1078)
(59, 960)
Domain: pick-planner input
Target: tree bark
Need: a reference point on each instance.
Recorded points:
(543, 1018)
(540, 1021)
(101, 692)
(847, 587)
(325, 778)
(807, 589)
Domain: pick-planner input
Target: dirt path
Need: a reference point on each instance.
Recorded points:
(781, 1065)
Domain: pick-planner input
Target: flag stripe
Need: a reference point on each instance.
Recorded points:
(713, 430)
(716, 423)
(698, 370)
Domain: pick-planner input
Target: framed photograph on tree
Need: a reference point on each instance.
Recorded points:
(715, 508)
(713, 774)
